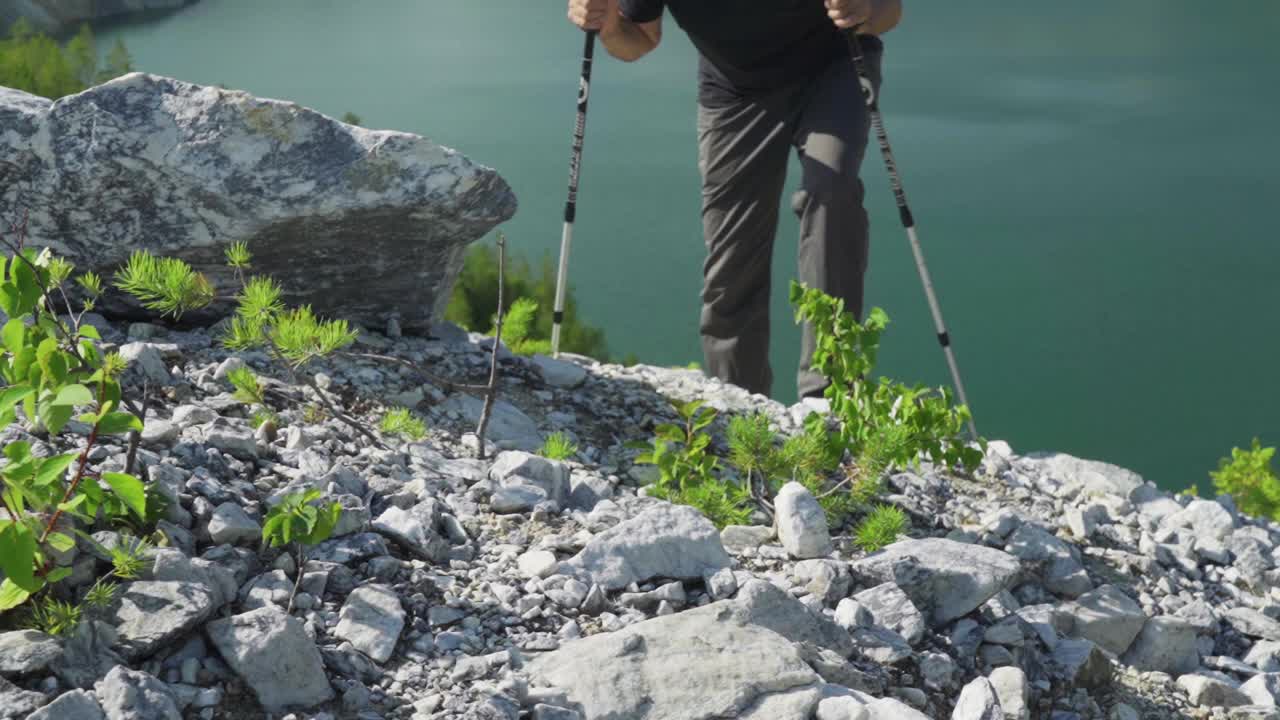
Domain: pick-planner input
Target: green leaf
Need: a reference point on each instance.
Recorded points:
(17, 556)
(52, 468)
(58, 574)
(119, 422)
(14, 394)
(130, 490)
(10, 301)
(54, 417)
(74, 395)
(271, 530)
(16, 452)
(73, 505)
(14, 334)
(60, 541)
(89, 331)
(11, 596)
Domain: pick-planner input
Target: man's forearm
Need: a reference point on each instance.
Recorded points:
(624, 39)
(884, 17)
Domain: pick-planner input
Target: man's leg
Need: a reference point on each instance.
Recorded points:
(743, 151)
(831, 135)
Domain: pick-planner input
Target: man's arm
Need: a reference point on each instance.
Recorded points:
(870, 17)
(626, 40)
(884, 17)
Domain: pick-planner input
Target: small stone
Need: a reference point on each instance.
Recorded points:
(1010, 684)
(1210, 692)
(736, 538)
(721, 584)
(126, 694)
(852, 614)
(231, 525)
(511, 499)
(235, 362)
(1167, 644)
(537, 563)
(371, 620)
(978, 701)
(801, 522)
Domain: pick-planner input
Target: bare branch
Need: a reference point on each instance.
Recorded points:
(492, 391)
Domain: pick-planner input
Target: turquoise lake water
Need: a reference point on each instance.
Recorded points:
(1095, 187)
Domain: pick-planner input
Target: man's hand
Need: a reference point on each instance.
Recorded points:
(589, 14)
(849, 13)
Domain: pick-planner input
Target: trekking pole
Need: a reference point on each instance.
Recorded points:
(571, 206)
(908, 222)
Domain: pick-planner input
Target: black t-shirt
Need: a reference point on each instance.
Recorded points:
(749, 47)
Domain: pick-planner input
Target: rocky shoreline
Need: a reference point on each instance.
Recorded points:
(1044, 586)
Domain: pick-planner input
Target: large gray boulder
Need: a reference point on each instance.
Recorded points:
(665, 541)
(944, 578)
(149, 615)
(719, 660)
(274, 655)
(185, 170)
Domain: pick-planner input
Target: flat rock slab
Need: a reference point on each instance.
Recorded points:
(73, 705)
(371, 620)
(134, 695)
(944, 578)
(703, 663)
(23, 652)
(17, 703)
(509, 428)
(1166, 644)
(349, 549)
(666, 541)
(149, 615)
(275, 657)
(1109, 618)
(415, 529)
(185, 170)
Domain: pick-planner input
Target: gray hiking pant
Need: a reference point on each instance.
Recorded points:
(743, 152)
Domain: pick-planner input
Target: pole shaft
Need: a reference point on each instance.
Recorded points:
(571, 204)
(908, 221)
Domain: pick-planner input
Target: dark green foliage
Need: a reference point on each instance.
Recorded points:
(474, 304)
(50, 367)
(1247, 476)
(688, 473)
(297, 518)
(35, 63)
(402, 421)
(846, 354)
(558, 446)
(882, 527)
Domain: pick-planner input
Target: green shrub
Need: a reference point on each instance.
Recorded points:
(400, 421)
(51, 367)
(882, 527)
(845, 354)
(688, 473)
(1247, 476)
(558, 446)
(473, 304)
(301, 520)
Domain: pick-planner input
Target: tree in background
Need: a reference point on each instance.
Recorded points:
(34, 62)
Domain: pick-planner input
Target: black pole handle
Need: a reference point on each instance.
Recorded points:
(580, 127)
